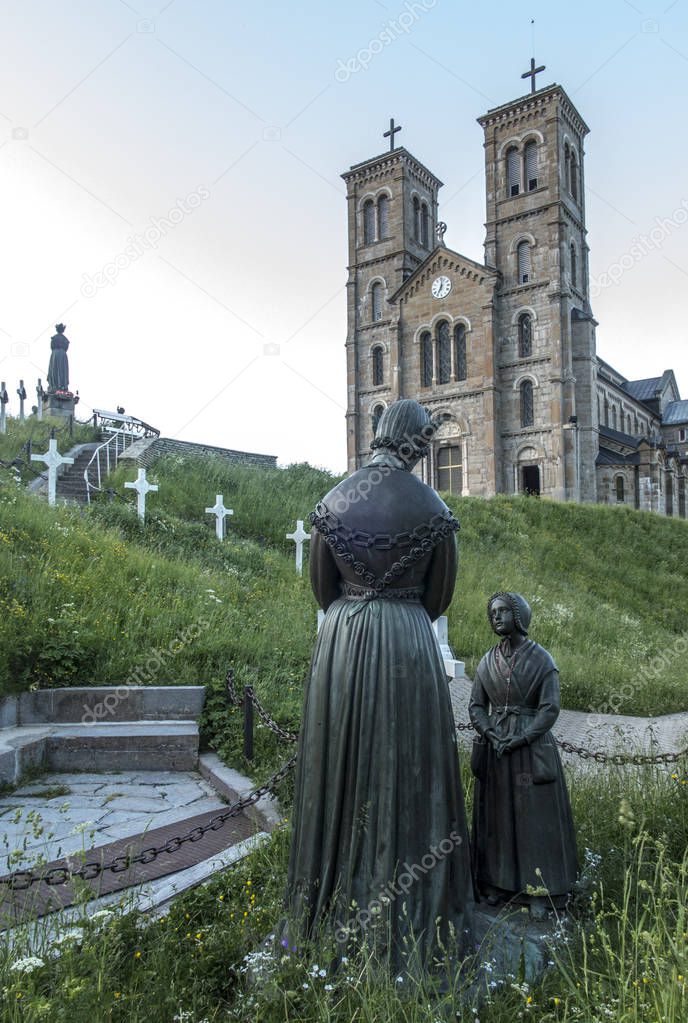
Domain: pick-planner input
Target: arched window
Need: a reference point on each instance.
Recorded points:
(527, 410)
(513, 172)
(368, 222)
(574, 176)
(525, 336)
(416, 218)
(614, 420)
(574, 267)
(523, 261)
(426, 359)
(530, 161)
(635, 423)
(620, 490)
(424, 226)
(450, 469)
(376, 301)
(567, 167)
(629, 425)
(669, 494)
(377, 366)
(377, 413)
(606, 410)
(460, 351)
(443, 352)
(383, 217)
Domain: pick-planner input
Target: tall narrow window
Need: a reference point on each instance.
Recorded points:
(574, 266)
(383, 217)
(377, 366)
(443, 352)
(620, 490)
(527, 411)
(424, 226)
(460, 351)
(368, 222)
(513, 172)
(635, 423)
(525, 336)
(376, 301)
(523, 260)
(614, 421)
(416, 218)
(426, 359)
(682, 496)
(606, 410)
(629, 425)
(530, 160)
(567, 167)
(669, 494)
(377, 413)
(450, 469)
(574, 176)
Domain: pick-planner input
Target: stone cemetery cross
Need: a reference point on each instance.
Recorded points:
(39, 399)
(141, 486)
(299, 536)
(219, 511)
(4, 398)
(53, 459)
(21, 391)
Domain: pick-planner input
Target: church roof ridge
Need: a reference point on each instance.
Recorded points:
(388, 157)
(528, 99)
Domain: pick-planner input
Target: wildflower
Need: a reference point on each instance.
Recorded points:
(27, 965)
(329, 987)
(118, 994)
(137, 954)
(72, 934)
(79, 829)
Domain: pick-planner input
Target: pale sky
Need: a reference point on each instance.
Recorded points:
(217, 131)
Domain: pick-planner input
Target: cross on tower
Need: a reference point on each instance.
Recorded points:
(219, 511)
(391, 133)
(299, 536)
(532, 73)
(53, 459)
(142, 487)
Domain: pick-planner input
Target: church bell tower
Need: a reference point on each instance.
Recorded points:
(392, 219)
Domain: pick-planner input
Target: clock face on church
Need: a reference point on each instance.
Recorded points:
(441, 287)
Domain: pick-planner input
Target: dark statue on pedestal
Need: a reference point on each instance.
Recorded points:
(524, 844)
(58, 369)
(380, 849)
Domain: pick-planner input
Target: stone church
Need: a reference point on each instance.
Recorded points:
(503, 352)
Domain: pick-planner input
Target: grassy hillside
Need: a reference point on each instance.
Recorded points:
(13, 444)
(90, 596)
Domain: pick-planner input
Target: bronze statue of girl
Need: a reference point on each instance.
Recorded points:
(524, 844)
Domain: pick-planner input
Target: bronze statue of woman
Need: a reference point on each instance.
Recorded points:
(379, 838)
(58, 367)
(523, 835)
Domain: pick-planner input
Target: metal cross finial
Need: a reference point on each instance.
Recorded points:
(440, 231)
(532, 73)
(391, 133)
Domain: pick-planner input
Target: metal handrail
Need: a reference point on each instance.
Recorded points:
(106, 447)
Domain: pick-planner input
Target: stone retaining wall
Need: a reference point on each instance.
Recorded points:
(159, 446)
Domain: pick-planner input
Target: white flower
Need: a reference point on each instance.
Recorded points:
(329, 987)
(304, 986)
(72, 934)
(322, 973)
(79, 829)
(400, 980)
(102, 915)
(27, 965)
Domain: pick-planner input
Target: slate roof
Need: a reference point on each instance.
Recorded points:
(675, 412)
(618, 436)
(607, 457)
(642, 390)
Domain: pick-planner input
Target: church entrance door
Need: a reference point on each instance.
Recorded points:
(530, 480)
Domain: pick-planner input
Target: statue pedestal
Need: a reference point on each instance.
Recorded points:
(56, 405)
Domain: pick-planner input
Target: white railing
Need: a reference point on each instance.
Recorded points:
(124, 431)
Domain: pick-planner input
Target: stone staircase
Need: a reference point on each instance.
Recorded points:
(71, 485)
(100, 728)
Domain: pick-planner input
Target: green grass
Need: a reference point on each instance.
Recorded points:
(13, 444)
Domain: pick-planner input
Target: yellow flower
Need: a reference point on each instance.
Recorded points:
(646, 980)
(118, 994)
(680, 978)
(529, 999)
(137, 954)
(557, 1001)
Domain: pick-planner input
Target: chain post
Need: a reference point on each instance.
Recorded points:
(248, 723)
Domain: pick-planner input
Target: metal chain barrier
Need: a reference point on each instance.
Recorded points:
(23, 879)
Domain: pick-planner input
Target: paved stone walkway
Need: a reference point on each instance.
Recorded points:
(37, 826)
(608, 733)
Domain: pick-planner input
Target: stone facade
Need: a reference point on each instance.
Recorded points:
(502, 351)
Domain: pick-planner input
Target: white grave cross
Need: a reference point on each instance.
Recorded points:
(53, 459)
(219, 511)
(299, 536)
(142, 487)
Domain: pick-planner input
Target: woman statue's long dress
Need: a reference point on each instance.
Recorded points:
(523, 832)
(379, 829)
(58, 367)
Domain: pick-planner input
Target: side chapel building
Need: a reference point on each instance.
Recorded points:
(502, 351)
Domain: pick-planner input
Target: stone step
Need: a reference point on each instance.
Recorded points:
(123, 746)
(93, 704)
